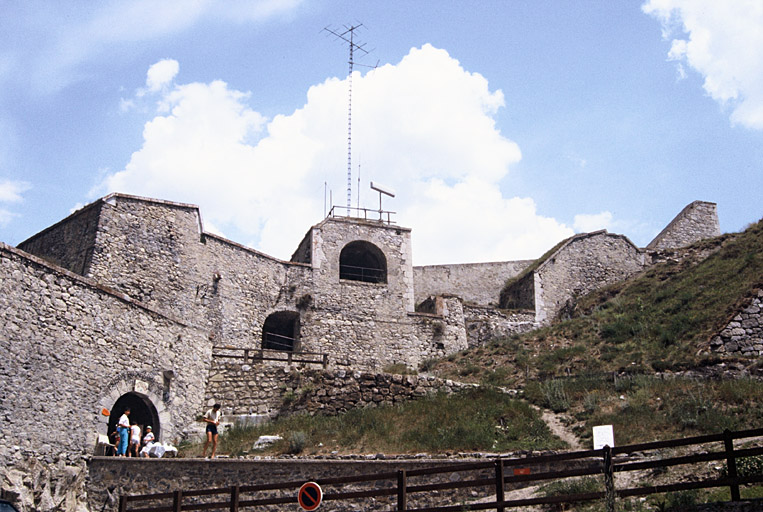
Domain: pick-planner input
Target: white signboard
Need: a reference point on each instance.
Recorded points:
(603, 436)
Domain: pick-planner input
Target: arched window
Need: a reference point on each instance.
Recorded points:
(142, 412)
(362, 261)
(281, 331)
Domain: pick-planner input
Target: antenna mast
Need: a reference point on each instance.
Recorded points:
(348, 36)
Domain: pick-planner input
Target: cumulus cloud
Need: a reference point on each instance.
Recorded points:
(424, 127)
(585, 223)
(10, 192)
(723, 41)
(161, 74)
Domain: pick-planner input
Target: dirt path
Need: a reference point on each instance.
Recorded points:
(555, 423)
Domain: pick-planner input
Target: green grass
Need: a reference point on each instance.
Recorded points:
(660, 320)
(471, 420)
(644, 407)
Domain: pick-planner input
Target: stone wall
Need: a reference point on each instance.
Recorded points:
(478, 283)
(585, 263)
(72, 347)
(70, 242)
(484, 323)
(697, 221)
(269, 389)
(744, 334)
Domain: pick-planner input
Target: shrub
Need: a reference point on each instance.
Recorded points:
(297, 442)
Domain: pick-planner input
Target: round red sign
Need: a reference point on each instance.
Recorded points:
(310, 496)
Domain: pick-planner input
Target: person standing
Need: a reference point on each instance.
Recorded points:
(134, 440)
(123, 427)
(212, 419)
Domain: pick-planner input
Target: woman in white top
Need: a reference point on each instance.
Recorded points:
(212, 419)
(134, 440)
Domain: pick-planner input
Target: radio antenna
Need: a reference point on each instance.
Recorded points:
(347, 34)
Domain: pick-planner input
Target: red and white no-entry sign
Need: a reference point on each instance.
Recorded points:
(310, 496)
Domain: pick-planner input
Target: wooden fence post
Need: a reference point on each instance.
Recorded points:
(234, 491)
(246, 355)
(122, 503)
(731, 463)
(177, 499)
(402, 495)
(499, 494)
(609, 479)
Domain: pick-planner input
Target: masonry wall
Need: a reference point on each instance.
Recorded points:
(478, 283)
(270, 389)
(697, 221)
(485, 323)
(71, 347)
(743, 335)
(585, 263)
(70, 242)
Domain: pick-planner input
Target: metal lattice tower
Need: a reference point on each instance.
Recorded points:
(348, 36)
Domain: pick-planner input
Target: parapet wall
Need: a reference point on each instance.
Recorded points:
(479, 283)
(697, 221)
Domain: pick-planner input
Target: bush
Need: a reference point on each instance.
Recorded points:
(297, 442)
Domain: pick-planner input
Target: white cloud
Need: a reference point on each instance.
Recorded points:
(586, 223)
(161, 74)
(424, 127)
(10, 192)
(723, 42)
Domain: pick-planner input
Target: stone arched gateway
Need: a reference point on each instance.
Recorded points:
(147, 401)
(142, 412)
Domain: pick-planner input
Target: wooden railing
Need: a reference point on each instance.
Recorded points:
(491, 477)
(254, 355)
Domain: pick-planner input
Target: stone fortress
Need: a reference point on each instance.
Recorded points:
(129, 302)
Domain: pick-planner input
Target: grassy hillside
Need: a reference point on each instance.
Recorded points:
(660, 320)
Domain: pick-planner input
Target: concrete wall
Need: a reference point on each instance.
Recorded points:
(72, 347)
(697, 221)
(478, 283)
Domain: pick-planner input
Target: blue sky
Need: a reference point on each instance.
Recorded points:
(503, 126)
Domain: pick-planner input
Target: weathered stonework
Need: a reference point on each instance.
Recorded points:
(581, 264)
(478, 283)
(743, 335)
(267, 390)
(697, 221)
(128, 297)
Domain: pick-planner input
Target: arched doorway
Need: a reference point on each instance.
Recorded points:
(142, 412)
(362, 261)
(281, 331)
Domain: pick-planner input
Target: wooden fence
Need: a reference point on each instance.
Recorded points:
(490, 478)
(254, 355)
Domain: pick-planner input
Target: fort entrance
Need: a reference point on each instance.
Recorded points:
(142, 412)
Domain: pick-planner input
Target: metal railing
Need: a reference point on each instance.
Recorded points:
(492, 477)
(384, 216)
(255, 355)
(363, 274)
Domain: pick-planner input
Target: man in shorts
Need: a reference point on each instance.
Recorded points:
(212, 419)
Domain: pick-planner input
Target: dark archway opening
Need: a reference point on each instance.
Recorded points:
(362, 261)
(281, 331)
(142, 412)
